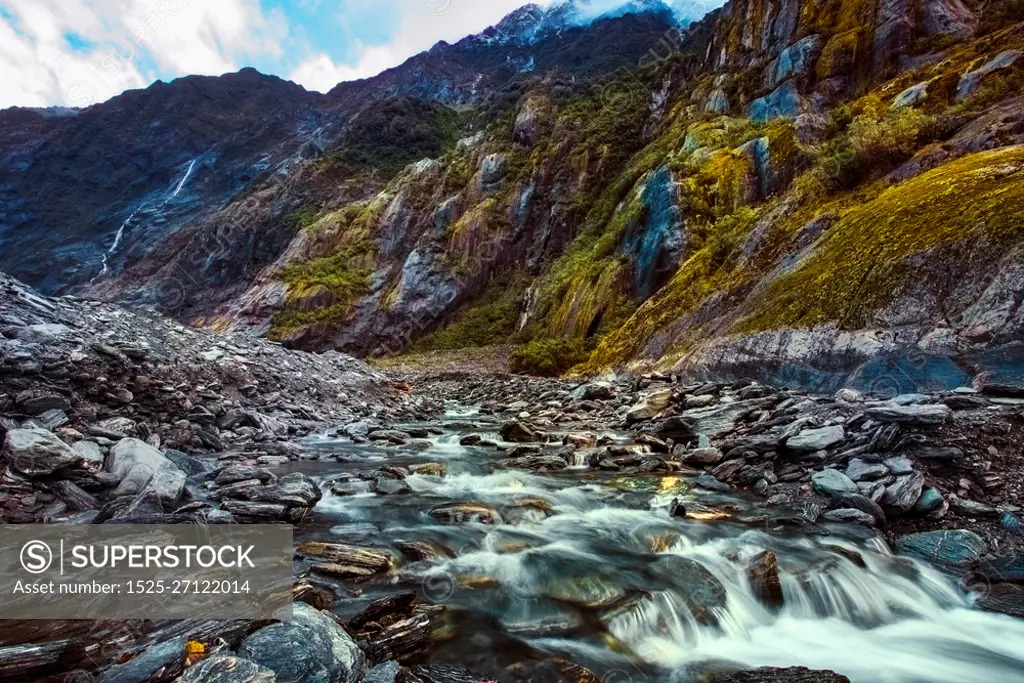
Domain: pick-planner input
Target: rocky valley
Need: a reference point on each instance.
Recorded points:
(664, 342)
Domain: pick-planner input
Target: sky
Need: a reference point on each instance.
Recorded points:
(78, 52)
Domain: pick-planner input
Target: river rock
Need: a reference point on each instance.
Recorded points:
(649, 407)
(763, 574)
(703, 456)
(816, 439)
(864, 504)
(38, 453)
(385, 486)
(517, 431)
(861, 470)
(590, 591)
(699, 587)
(849, 516)
(953, 547)
(463, 512)
(1003, 568)
(832, 482)
(904, 492)
(226, 668)
(1005, 598)
(310, 648)
(594, 391)
(931, 500)
(90, 450)
(161, 661)
(707, 481)
(919, 415)
(796, 674)
(167, 485)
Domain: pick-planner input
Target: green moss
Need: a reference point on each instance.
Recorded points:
(491, 319)
(549, 357)
(862, 265)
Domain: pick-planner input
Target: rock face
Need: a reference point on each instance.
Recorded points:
(656, 243)
(309, 647)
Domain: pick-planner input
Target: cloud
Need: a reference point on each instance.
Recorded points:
(422, 24)
(120, 44)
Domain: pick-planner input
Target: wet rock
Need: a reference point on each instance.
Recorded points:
(676, 509)
(429, 469)
(517, 431)
(547, 671)
(463, 512)
(866, 505)
(953, 547)
(166, 485)
(763, 574)
(581, 440)
(678, 428)
(699, 587)
(1009, 522)
(796, 674)
(390, 487)
(703, 456)
(441, 673)
(816, 439)
(471, 440)
(382, 673)
(391, 435)
(226, 668)
(917, 415)
(342, 559)
(849, 516)
(594, 391)
(1005, 598)
(309, 647)
(707, 481)
(833, 483)
(904, 492)
(650, 407)
(590, 591)
(38, 453)
(1003, 568)
(535, 462)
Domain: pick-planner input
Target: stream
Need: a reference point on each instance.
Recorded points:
(591, 567)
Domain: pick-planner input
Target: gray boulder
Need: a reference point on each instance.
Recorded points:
(134, 462)
(933, 414)
(952, 547)
(971, 81)
(38, 453)
(833, 483)
(310, 648)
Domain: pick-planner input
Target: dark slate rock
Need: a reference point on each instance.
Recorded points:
(953, 548)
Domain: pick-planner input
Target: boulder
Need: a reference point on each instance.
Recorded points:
(90, 450)
(861, 470)
(849, 516)
(951, 548)
(763, 574)
(134, 462)
(38, 453)
(517, 431)
(912, 96)
(816, 439)
(310, 648)
(783, 102)
(463, 512)
(1005, 598)
(649, 407)
(594, 391)
(832, 482)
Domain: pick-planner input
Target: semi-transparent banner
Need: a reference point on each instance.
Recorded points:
(185, 571)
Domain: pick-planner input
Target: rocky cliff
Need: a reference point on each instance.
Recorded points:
(822, 192)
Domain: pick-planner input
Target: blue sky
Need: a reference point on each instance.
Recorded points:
(78, 52)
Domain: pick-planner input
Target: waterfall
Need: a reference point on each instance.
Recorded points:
(116, 244)
(181, 183)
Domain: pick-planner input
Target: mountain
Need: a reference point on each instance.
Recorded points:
(821, 192)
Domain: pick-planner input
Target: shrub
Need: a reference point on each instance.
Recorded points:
(882, 136)
(549, 357)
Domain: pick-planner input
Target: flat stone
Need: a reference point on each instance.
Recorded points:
(816, 439)
(954, 547)
(920, 415)
(849, 516)
(861, 470)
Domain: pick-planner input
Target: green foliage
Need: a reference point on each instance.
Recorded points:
(302, 217)
(1001, 13)
(549, 357)
(392, 134)
(881, 136)
(491, 319)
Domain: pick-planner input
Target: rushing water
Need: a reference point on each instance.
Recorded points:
(591, 567)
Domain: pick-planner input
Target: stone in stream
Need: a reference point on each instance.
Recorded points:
(811, 440)
(849, 516)
(417, 551)
(706, 481)
(952, 548)
(390, 435)
(1003, 568)
(864, 504)
(795, 674)
(38, 453)
(1005, 598)
(162, 661)
(547, 671)
(226, 668)
(590, 591)
(580, 440)
(833, 483)
(470, 440)
(429, 469)
(385, 486)
(463, 512)
(518, 431)
(651, 406)
(702, 456)
(702, 591)
(310, 647)
(342, 559)
(763, 575)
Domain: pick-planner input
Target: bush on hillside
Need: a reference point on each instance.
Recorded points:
(549, 357)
